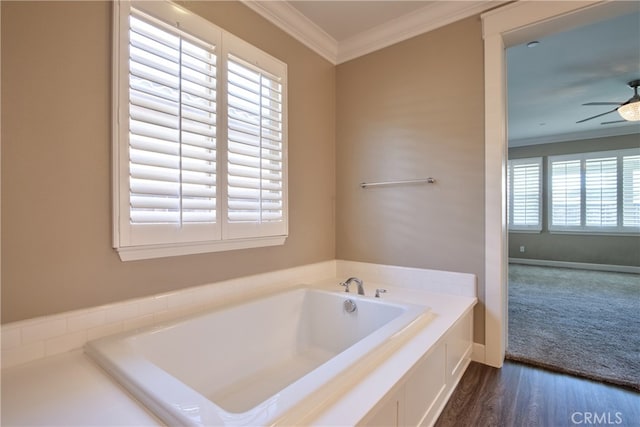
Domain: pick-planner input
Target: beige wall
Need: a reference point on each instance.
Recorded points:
(56, 195)
(607, 249)
(413, 110)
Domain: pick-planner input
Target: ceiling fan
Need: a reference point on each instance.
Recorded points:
(629, 109)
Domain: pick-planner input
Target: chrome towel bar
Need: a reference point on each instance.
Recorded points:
(407, 181)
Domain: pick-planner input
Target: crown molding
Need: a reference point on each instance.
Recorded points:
(294, 23)
(434, 15)
(576, 136)
(430, 17)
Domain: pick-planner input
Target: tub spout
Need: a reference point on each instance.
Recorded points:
(347, 282)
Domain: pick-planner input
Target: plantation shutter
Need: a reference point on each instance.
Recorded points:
(172, 140)
(565, 193)
(255, 150)
(200, 136)
(601, 192)
(509, 191)
(525, 193)
(631, 191)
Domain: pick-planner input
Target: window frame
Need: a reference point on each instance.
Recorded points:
(537, 228)
(165, 239)
(617, 230)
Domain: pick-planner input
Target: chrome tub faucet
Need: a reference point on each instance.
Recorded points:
(347, 282)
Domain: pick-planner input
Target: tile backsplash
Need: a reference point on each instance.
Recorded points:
(32, 339)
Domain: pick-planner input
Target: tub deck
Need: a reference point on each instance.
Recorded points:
(70, 389)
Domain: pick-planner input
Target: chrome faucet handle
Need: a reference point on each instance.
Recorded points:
(380, 291)
(346, 285)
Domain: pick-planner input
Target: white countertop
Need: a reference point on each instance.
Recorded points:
(67, 390)
(70, 390)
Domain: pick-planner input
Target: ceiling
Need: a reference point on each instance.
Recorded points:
(547, 84)
(341, 30)
(344, 19)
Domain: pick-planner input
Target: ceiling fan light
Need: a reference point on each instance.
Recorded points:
(630, 111)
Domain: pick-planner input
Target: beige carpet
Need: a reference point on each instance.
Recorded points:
(580, 322)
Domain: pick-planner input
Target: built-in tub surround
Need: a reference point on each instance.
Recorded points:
(64, 387)
(251, 363)
(32, 339)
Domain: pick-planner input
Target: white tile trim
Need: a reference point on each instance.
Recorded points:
(437, 281)
(36, 338)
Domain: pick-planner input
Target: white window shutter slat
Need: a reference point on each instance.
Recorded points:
(255, 191)
(565, 193)
(524, 194)
(172, 97)
(631, 191)
(601, 192)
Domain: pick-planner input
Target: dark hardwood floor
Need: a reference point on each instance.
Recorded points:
(520, 395)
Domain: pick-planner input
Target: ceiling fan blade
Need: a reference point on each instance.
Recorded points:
(597, 115)
(604, 103)
(615, 121)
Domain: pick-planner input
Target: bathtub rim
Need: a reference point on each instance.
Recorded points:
(104, 351)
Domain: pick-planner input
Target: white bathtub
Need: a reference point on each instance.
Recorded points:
(261, 362)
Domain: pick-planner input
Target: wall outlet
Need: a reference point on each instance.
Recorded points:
(521, 248)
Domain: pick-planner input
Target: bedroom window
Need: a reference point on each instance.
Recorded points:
(200, 136)
(595, 192)
(524, 194)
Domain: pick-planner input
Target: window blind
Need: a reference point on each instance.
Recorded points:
(255, 144)
(601, 192)
(566, 193)
(200, 136)
(172, 126)
(597, 192)
(525, 193)
(631, 191)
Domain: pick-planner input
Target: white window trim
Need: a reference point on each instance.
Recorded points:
(537, 228)
(134, 253)
(618, 230)
(220, 241)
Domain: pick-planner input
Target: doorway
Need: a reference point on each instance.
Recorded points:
(504, 27)
(567, 159)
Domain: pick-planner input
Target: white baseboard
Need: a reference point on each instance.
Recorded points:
(579, 265)
(478, 353)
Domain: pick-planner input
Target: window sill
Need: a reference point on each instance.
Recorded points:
(524, 231)
(134, 253)
(596, 233)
